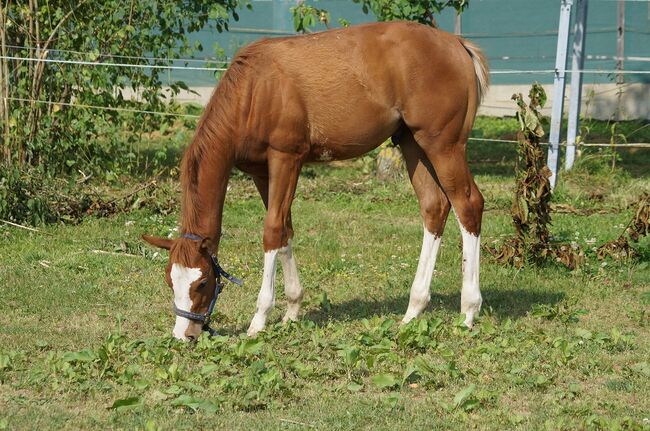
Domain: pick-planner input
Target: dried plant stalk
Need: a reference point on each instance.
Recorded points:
(638, 227)
(531, 209)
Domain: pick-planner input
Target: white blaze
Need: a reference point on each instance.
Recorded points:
(182, 279)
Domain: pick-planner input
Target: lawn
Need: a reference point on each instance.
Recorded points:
(85, 317)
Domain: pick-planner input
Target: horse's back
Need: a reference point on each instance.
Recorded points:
(345, 91)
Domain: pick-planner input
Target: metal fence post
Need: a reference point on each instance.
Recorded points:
(575, 96)
(558, 89)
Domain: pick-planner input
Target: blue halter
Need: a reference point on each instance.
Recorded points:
(218, 273)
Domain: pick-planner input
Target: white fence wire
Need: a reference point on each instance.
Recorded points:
(223, 69)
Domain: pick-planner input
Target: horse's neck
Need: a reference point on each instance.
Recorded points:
(205, 181)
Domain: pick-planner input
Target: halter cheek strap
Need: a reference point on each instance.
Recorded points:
(218, 273)
(192, 237)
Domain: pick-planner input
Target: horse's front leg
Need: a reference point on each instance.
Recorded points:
(292, 288)
(284, 169)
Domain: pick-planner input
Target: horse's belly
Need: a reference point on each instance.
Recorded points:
(347, 136)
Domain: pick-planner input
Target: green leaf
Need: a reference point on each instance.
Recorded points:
(126, 403)
(350, 355)
(249, 347)
(5, 362)
(410, 371)
(140, 385)
(195, 404)
(384, 381)
(463, 396)
(354, 387)
(85, 355)
(645, 297)
(642, 368)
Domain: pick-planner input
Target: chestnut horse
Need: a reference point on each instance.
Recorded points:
(330, 96)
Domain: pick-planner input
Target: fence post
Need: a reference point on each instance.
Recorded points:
(620, 56)
(620, 40)
(575, 96)
(558, 89)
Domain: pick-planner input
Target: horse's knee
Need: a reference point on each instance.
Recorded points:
(274, 233)
(434, 212)
(477, 201)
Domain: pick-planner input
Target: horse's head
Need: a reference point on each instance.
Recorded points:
(192, 275)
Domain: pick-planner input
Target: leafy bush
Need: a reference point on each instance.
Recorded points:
(30, 197)
(47, 120)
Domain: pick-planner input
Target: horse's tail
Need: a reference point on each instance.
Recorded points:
(480, 67)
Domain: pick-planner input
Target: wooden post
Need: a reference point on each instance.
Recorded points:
(4, 88)
(558, 89)
(457, 24)
(575, 97)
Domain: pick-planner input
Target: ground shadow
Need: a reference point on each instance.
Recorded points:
(511, 304)
(504, 304)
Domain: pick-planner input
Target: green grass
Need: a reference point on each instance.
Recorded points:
(85, 336)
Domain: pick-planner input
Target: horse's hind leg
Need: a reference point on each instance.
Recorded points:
(445, 147)
(277, 192)
(434, 208)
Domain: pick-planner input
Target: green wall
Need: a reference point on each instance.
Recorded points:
(515, 34)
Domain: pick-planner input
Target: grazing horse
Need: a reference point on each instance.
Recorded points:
(328, 96)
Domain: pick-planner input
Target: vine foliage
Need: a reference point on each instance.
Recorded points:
(422, 11)
(38, 125)
(307, 16)
(638, 227)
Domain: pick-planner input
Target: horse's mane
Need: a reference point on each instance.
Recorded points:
(183, 252)
(214, 130)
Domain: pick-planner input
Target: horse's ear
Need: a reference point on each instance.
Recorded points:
(165, 243)
(207, 244)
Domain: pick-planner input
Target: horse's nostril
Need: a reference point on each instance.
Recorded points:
(191, 337)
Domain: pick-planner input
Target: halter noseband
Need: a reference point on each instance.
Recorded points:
(218, 272)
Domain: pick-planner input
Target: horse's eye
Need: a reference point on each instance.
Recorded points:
(203, 284)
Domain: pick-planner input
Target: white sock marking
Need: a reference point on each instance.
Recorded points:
(266, 297)
(420, 290)
(182, 279)
(292, 288)
(470, 295)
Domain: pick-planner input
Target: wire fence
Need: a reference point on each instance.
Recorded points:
(226, 60)
(223, 69)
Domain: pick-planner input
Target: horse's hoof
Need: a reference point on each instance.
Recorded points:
(290, 317)
(254, 330)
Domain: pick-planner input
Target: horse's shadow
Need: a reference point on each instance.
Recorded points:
(503, 304)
